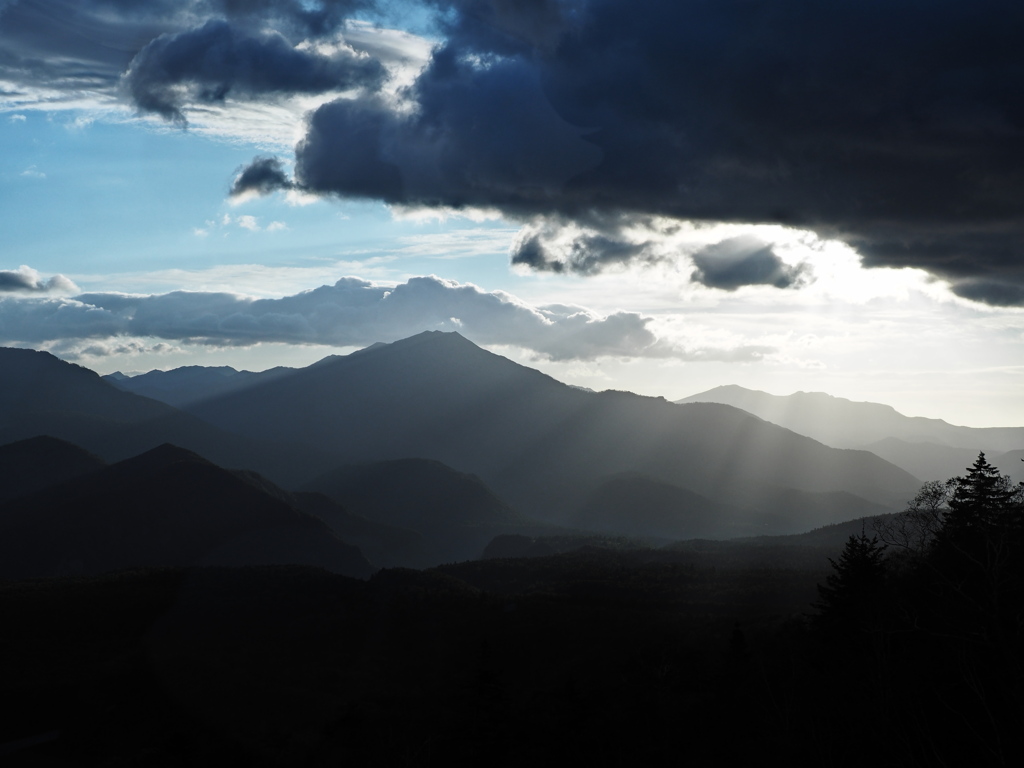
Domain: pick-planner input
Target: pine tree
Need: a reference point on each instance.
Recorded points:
(978, 560)
(850, 596)
(982, 504)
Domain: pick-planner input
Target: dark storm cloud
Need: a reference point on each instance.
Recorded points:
(995, 292)
(744, 260)
(481, 133)
(506, 26)
(895, 126)
(556, 245)
(262, 176)
(211, 62)
(79, 44)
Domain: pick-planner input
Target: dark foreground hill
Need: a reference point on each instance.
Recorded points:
(166, 507)
(541, 445)
(591, 657)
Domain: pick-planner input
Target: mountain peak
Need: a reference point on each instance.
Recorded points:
(162, 456)
(436, 338)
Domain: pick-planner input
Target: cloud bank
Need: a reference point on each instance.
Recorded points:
(856, 120)
(352, 312)
(893, 127)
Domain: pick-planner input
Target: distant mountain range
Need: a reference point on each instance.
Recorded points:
(930, 449)
(193, 383)
(541, 445)
(41, 395)
(426, 448)
(65, 511)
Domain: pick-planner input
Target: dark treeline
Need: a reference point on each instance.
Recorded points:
(906, 651)
(927, 616)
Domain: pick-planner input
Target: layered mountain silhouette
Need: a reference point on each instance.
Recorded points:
(541, 445)
(166, 507)
(636, 505)
(385, 546)
(41, 395)
(930, 449)
(454, 513)
(193, 383)
(552, 452)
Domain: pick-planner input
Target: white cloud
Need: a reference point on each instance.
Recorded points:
(32, 172)
(76, 350)
(456, 243)
(352, 312)
(24, 279)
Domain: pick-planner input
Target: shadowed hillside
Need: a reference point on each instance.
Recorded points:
(39, 462)
(165, 507)
(636, 505)
(454, 513)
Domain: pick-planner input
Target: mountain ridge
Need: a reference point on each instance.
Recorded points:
(537, 442)
(165, 507)
(844, 423)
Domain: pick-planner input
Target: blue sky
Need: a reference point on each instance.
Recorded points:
(526, 177)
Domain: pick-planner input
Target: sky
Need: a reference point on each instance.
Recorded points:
(654, 196)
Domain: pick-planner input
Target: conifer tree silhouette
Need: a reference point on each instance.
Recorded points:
(982, 503)
(850, 594)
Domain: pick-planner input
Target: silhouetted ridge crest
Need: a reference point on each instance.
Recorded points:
(39, 462)
(166, 507)
(161, 457)
(44, 395)
(539, 444)
(845, 423)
